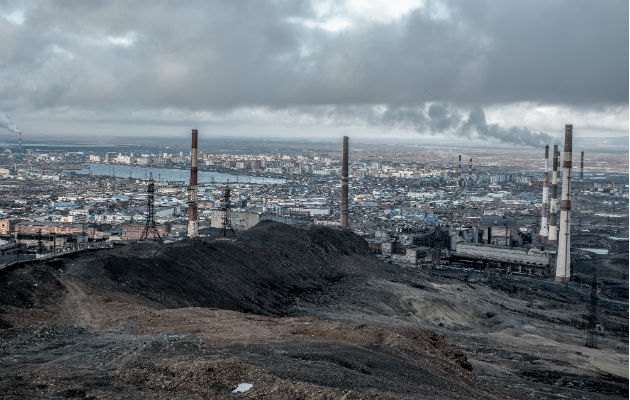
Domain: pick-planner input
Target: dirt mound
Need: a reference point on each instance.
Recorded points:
(262, 272)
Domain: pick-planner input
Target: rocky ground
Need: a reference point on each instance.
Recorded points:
(297, 313)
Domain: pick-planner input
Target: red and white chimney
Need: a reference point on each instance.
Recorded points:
(553, 209)
(544, 230)
(563, 266)
(193, 227)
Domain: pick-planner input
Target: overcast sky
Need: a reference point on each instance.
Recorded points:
(495, 70)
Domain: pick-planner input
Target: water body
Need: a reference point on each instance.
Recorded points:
(172, 175)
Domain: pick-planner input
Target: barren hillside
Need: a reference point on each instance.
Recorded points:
(297, 313)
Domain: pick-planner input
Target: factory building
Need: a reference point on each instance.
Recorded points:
(532, 261)
(241, 220)
(134, 231)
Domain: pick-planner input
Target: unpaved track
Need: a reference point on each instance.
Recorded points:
(76, 304)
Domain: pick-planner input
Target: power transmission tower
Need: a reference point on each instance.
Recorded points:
(150, 225)
(226, 208)
(591, 325)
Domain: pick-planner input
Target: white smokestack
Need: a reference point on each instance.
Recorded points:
(563, 265)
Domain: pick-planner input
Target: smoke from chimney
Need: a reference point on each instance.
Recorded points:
(7, 123)
(443, 118)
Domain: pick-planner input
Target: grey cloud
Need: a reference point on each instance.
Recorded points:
(221, 55)
(202, 55)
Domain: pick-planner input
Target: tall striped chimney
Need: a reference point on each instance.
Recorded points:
(544, 230)
(563, 266)
(470, 170)
(553, 209)
(193, 228)
(582, 167)
(459, 172)
(343, 222)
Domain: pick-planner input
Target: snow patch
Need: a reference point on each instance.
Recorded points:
(242, 387)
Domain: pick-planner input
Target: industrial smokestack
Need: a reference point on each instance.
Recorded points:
(344, 186)
(193, 228)
(563, 266)
(459, 172)
(553, 209)
(544, 231)
(470, 170)
(582, 167)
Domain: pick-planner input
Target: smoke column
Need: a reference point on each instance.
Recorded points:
(436, 118)
(7, 123)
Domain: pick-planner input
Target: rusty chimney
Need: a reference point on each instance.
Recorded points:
(553, 209)
(544, 230)
(193, 228)
(343, 222)
(563, 265)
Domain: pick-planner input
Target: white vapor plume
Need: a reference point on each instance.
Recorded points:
(7, 123)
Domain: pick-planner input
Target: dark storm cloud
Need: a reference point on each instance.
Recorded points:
(122, 56)
(202, 55)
